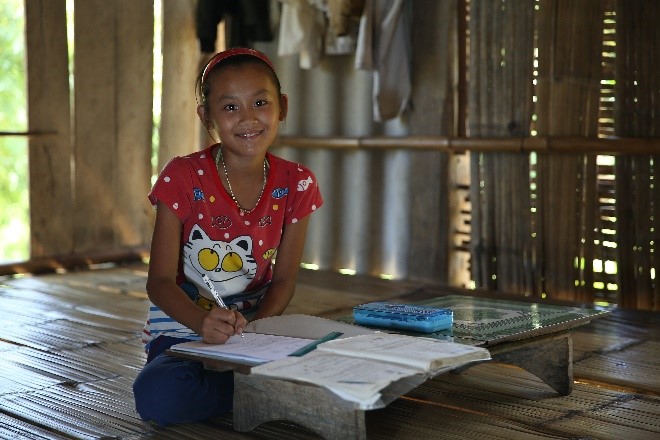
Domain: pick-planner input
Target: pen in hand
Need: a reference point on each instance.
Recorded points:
(216, 295)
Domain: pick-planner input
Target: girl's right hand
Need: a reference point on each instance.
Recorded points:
(220, 324)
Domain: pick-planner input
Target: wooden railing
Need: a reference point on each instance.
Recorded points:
(540, 144)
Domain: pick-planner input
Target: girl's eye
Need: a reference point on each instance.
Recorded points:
(260, 102)
(231, 107)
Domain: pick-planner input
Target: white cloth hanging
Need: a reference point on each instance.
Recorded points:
(302, 26)
(384, 47)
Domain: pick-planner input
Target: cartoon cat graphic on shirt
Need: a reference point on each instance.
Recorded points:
(229, 265)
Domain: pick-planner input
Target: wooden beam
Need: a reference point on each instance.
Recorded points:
(66, 262)
(28, 134)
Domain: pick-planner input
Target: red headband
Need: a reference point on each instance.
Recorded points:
(220, 56)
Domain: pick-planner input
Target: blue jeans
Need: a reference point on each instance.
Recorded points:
(172, 390)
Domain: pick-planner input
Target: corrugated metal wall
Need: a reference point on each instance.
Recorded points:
(363, 226)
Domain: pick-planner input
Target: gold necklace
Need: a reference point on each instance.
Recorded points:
(219, 158)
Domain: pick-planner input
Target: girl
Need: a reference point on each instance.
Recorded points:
(222, 216)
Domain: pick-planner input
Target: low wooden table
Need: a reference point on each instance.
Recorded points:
(532, 336)
(260, 399)
(535, 337)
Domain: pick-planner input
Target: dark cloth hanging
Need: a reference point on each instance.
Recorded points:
(249, 22)
(255, 20)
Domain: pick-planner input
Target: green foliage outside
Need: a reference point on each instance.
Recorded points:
(14, 196)
(14, 167)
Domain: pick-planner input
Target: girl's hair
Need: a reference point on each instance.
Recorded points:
(237, 56)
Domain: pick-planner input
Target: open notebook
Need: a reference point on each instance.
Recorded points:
(271, 339)
(251, 349)
(357, 366)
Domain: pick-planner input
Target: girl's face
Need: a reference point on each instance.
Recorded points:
(244, 109)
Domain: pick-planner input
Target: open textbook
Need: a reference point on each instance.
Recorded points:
(421, 353)
(359, 368)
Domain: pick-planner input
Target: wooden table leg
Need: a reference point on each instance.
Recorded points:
(550, 359)
(259, 399)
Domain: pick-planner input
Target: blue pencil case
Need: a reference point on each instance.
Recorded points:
(417, 318)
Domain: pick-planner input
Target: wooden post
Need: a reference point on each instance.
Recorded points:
(51, 196)
(178, 121)
(135, 30)
(113, 97)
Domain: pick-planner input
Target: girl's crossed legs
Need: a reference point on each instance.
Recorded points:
(172, 390)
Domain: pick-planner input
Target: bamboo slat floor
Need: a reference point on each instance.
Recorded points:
(70, 349)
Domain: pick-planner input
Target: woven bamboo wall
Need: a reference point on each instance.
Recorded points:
(569, 44)
(637, 113)
(499, 105)
(525, 239)
(532, 231)
(537, 222)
